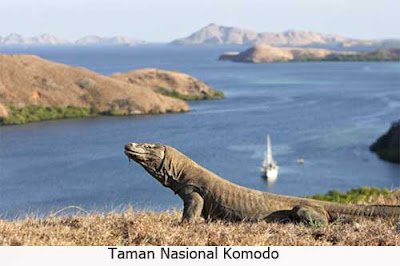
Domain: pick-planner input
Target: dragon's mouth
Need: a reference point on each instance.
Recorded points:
(133, 151)
(129, 153)
(138, 152)
(134, 154)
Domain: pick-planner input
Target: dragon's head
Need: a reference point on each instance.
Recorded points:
(163, 162)
(150, 156)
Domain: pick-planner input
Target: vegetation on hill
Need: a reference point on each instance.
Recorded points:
(176, 94)
(164, 228)
(357, 195)
(34, 113)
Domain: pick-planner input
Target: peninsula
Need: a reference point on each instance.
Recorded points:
(35, 89)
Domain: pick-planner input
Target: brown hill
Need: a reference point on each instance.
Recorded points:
(27, 80)
(263, 53)
(170, 83)
(216, 34)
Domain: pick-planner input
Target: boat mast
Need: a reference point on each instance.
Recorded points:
(269, 159)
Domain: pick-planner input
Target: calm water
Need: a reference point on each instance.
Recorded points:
(326, 113)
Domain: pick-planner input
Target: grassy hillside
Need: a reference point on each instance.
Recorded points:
(164, 228)
(34, 89)
(170, 83)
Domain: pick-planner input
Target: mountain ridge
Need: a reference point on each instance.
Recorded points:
(214, 34)
(15, 39)
(221, 35)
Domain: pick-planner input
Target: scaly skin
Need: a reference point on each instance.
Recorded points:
(207, 195)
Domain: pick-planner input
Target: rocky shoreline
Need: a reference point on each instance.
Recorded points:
(387, 147)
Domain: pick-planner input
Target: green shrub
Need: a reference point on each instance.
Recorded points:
(33, 113)
(71, 112)
(86, 83)
(215, 94)
(362, 194)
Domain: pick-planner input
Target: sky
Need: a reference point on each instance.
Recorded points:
(165, 20)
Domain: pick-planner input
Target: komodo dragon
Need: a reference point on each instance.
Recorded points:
(207, 195)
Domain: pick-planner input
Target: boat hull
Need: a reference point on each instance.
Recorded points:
(271, 174)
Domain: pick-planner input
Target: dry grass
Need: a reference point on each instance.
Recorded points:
(170, 83)
(164, 228)
(149, 228)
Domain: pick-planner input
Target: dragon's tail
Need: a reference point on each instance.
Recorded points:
(383, 211)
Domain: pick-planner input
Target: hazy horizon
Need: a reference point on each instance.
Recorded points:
(164, 21)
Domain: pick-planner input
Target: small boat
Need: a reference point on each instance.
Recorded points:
(270, 168)
(300, 161)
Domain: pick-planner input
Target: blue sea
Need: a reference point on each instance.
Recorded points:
(325, 113)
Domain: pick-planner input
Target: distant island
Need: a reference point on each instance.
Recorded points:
(15, 39)
(263, 53)
(214, 34)
(35, 89)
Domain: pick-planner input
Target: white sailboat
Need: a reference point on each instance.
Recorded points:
(270, 168)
